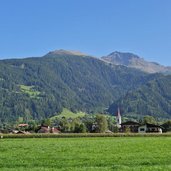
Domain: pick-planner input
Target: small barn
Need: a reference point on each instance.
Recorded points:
(54, 130)
(23, 125)
(47, 129)
(23, 132)
(44, 129)
(150, 128)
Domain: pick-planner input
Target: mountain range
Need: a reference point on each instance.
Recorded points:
(40, 87)
(134, 61)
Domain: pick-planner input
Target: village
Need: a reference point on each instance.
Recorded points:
(98, 124)
(136, 127)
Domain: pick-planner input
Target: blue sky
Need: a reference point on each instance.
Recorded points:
(96, 27)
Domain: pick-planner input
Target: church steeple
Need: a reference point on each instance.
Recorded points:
(118, 118)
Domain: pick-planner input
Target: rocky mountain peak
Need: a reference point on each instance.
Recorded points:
(134, 61)
(121, 58)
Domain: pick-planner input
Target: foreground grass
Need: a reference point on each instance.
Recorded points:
(84, 154)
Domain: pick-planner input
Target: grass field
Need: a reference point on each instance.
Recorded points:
(86, 154)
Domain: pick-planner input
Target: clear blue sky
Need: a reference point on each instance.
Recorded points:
(96, 27)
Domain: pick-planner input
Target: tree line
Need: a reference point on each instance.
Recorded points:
(88, 124)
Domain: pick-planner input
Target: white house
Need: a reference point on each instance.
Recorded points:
(149, 128)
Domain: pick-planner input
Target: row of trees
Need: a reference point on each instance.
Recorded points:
(98, 123)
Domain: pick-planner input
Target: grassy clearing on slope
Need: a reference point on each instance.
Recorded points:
(29, 90)
(68, 114)
(82, 154)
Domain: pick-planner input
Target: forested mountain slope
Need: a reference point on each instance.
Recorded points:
(40, 87)
(153, 98)
(35, 88)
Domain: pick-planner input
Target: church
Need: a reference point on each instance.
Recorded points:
(136, 127)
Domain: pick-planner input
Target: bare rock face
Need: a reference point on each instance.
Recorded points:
(134, 61)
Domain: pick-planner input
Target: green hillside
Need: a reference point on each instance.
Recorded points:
(40, 87)
(153, 98)
(37, 88)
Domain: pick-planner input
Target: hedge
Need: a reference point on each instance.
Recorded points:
(79, 135)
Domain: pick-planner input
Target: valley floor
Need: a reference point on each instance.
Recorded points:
(86, 154)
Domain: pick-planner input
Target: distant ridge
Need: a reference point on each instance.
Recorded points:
(134, 61)
(66, 52)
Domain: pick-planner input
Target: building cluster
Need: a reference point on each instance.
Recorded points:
(136, 127)
(21, 129)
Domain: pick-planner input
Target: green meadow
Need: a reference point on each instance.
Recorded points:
(86, 154)
(68, 114)
(29, 90)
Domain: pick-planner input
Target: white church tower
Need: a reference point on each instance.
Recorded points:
(118, 118)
